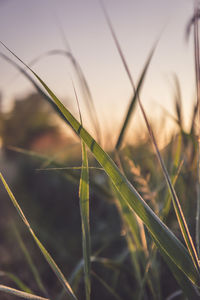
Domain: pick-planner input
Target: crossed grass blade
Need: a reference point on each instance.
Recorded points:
(24, 295)
(47, 256)
(177, 207)
(162, 235)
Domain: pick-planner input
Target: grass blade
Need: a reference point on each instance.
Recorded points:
(84, 208)
(85, 211)
(47, 256)
(20, 294)
(162, 235)
(178, 103)
(197, 73)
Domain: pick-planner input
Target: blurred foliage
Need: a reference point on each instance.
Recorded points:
(29, 118)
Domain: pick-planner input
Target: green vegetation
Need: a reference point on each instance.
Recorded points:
(142, 242)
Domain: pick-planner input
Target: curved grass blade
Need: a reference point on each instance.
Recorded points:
(47, 256)
(84, 208)
(162, 235)
(177, 207)
(20, 294)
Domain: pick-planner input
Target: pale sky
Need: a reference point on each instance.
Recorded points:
(30, 28)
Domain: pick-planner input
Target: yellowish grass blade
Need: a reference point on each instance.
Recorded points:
(20, 294)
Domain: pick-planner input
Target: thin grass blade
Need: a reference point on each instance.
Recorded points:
(14, 292)
(178, 102)
(197, 73)
(47, 256)
(84, 208)
(85, 211)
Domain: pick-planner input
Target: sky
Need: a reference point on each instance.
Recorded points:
(31, 28)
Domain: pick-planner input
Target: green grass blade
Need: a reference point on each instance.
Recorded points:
(84, 208)
(30, 261)
(178, 102)
(20, 294)
(163, 237)
(47, 256)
